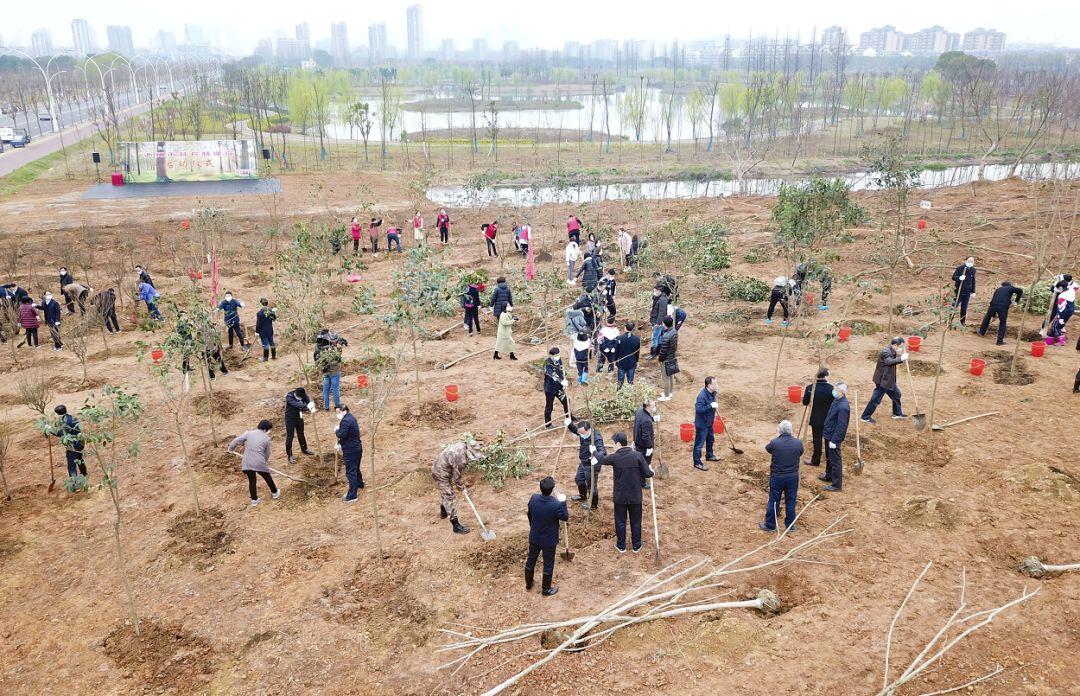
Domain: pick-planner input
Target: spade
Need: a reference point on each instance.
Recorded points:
(918, 419)
(485, 533)
(858, 444)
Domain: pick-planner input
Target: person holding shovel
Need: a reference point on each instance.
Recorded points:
(885, 381)
(67, 279)
(352, 451)
(373, 235)
(629, 469)
(447, 472)
(835, 430)
(822, 393)
(780, 293)
(105, 304)
(256, 459)
(704, 414)
(231, 307)
(51, 310)
(264, 328)
(545, 511)
(70, 435)
(999, 307)
(591, 451)
(296, 402)
(785, 450)
(470, 304)
(627, 350)
(964, 287)
(555, 386)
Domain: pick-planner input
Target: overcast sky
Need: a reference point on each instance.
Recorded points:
(238, 25)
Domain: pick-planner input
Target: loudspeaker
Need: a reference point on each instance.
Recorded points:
(266, 154)
(97, 157)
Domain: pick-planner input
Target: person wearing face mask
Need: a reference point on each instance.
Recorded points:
(644, 432)
(627, 349)
(296, 402)
(656, 317)
(447, 471)
(264, 328)
(780, 293)
(704, 414)
(352, 451)
(231, 307)
(1066, 306)
(834, 431)
(78, 293)
(591, 450)
(65, 280)
(442, 221)
(51, 311)
(555, 386)
(582, 348)
(544, 512)
(144, 277)
(148, 294)
(572, 254)
(667, 355)
(822, 393)
(885, 380)
(354, 232)
(1000, 302)
(964, 287)
(504, 337)
(628, 471)
(256, 459)
(785, 450)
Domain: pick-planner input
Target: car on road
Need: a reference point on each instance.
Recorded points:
(16, 137)
(44, 116)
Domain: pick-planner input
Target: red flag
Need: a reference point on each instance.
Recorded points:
(213, 278)
(530, 268)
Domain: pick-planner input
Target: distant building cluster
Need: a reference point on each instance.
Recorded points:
(933, 40)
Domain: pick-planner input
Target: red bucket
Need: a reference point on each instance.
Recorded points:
(977, 366)
(157, 354)
(686, 432)
(718, 424)
(794, 394)
(451, 392)
(913, 343)
(362, 381)
(1037, 349)
(845, 333)
(117, 179)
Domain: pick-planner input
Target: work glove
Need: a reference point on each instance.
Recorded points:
(832, 445)
(592, 449)
(565, 383)
(904, 357)
(561, 497)
(242, 304)
(713, 406)
(337, 448)
(311, 406)
(963, 277)
(648, 452)
(656, 418)
(566, 421)
(593, 460)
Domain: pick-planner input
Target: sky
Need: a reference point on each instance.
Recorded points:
(238, 25)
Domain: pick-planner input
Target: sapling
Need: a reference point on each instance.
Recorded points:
(382, 374)
(7, 433)
(35, 390)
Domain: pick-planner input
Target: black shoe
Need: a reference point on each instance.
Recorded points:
(528, 581)
(712, 459)
(762, 527)
(899, 416)
(868, 419)
(458, 527)
(496, 356)
(550, 591)
(823, 477)
(308, 453)
(442, 512)
(833, 487)
(701, 467)
(361, 484)
(999, 343)
(513, 357)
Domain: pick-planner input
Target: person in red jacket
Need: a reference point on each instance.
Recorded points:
(28, 319)
(442, 221)
(490, 231)
(354, 230)
(373, 234)
(573, 229)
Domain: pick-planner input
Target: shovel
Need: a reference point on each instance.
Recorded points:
(661, 467)
(567, 554)
(273, 470)
(731, 442)
(656, 528)
(485, 533)
(918, 419)
(52, 473)
(858, 444)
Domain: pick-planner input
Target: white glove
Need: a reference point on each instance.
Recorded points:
(567, 420)
(242, 304)
(561, 497)
(963, 277)
(592, 449)
(593, 460)
(714, 406)
(564, 383)
(656, 418)
(832, 445)
(648, 452)
(904, 357)
(311, 406)
(337, 447)
(56, 323)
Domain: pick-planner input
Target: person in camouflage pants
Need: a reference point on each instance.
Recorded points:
(447, 472)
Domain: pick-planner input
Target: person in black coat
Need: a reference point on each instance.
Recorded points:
(667, 356)
(822, 393)
(352, 450)
(470, 303)
(657, 315)
(501, 297)
(144, 277)
(645, 433)
(51, 310)
(589, 272)
(105, 304)
(885, 380)
(629, 469)
(296, 402)
(627, 350)
(999, 307)
(70, 435)
(786, 450)
(65, 280)
(835, 430)
(555, 386)
(591, 451)
(964, 286)
(585, 305)
(264, 329)
(545, 511)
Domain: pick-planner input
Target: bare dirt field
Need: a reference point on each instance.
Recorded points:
(292, 597)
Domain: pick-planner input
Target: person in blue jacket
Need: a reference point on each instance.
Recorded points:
(70, 435)
(627, 350)
(264, 329)
(786, 450)
(352, 450)
(704, 415)
(52, 310)
(591, 451)
(545, 511)
(149, 295)
(834, 431)
(231, 307)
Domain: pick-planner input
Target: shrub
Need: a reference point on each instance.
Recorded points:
(622, 405)
(500, 462)
(364, 301)
(705, 247)
(758, 255)
(1041, 297)
(746, 288)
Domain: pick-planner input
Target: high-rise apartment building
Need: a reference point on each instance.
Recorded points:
(984, 41)
(82, 36)
(882, 40)
(834, 39)
(339, 45)
(932, 40)
(41, 43)
(414, 20)
(120, 40)
(377, 42)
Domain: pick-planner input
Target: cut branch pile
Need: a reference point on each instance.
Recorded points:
(687, 586)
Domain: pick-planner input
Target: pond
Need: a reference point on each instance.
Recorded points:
(718, 188)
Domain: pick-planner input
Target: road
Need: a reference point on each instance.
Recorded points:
(70, 112)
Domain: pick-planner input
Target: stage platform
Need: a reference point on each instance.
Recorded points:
(239, 187)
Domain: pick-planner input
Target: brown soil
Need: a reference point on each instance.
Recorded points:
(500, 556)
(201, 537)
(928, 512)
(164, 659)
(1004, 375)
(10, 547)
(226, 404)
(435, 412)
(919, 368)
(318, 484)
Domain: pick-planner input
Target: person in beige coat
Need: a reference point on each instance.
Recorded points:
(256, 459)
(504, 339)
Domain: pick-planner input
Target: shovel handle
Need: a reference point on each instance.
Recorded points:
(655, 526)
(465, 492)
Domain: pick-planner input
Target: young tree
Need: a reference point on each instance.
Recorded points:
(7, 434)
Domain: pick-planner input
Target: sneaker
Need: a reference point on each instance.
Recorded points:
(292, 459)
(784, 322)
(347, 499)
(276, 494)
(712, 458)
(308, 453)
(636, 549)
(823, 307)
(823, 477)
(57, 350)
(868, 419)
(768, 321)
(619, 550)
(900, 416)
(832, 487)
(663, 397)
(762, 527)
(255, 502)
(701, 467)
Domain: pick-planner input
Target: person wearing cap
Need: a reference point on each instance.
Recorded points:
(352, 450)
(545, 511)
(447, 471)
(70, 435)
(885, 380)
(964, 287)
(555, 386)
(785, 450)
(834, 430)
(256, 459)
(629, 469)
(591, 451)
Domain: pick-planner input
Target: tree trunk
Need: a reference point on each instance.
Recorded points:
(130, 594)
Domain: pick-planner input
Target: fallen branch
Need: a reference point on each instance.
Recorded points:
(447, 366)
(964, 420)
(1035, 568)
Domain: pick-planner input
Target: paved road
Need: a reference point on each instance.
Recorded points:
(70, 112)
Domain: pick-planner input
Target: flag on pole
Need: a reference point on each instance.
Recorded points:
(213, 278)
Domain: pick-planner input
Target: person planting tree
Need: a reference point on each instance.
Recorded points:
(105, 304)
(28, 320)
(70, 435)
(490, 230)
(573, 229)
(470, 304)
(591, 450)
(328, 356)
(1066, 306)
(256, 459)
(144, 277)
(964, 287)
(51, 311)
(822, 393)
(373, 235)
(1000, 302)
(393, 238)
(67, 279)
(352, 451)
(834, 431)
(231, 308)
(885, 380)
(296, 402)
(264, 329)
(781, 291)
(354, 232)
(148, 294)
(628, 470)
(785, 450)
(555, 386)
(544, 512)
(447, 472)
(704, 414)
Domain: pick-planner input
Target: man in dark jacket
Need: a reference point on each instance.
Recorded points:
(964, 286)
(999, 307)
(231, 307)
(144, 277)
(885, 380)
(591, 451)
(835, 430)
(555, 385)
(629, 469)
(70, 435)
(105, 304)
(545, 511)
(296, 402)
(584, 304)
(821, 391)
(645, 433)
(51, 310)
(501, 297)
(704, 413)
(786, 450)
(65, 280)
(667, 355)
(627, 350)
(470, 304)
(590, 274)
(352, 451)
(264, 329)
(656, 317)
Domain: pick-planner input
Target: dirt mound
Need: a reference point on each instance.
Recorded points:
(1004, 375)
(911, 446)
(500, 557)
(601, 527)
(1048, 480)
(318, 484)
(756, 408)
(214, 458)
(864, 327)
(435, 412)
(66, 385)
(757, 476)
(226, 404)
(164, 658)
(305, 559)
(10, 547)
(201, 538)
(413, 483)
(928, 512)
(740, 316)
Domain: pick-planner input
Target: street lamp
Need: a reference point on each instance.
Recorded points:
(55, 127)
(134, 85)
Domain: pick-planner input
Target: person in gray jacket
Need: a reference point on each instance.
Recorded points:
(256, 459)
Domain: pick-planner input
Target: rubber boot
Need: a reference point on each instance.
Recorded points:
(545, 587)
(529, 578)
(273, 352)
(442, 512)
(266, 354)
(458, 527)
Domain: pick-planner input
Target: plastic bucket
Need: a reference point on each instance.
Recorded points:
(157, 354)
(913, 343)
(794, 393)
(845, 333)
(1037, 349)
(718, 424)
(686, 432)
(977, 366)
(451, 392)
(362, 381)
